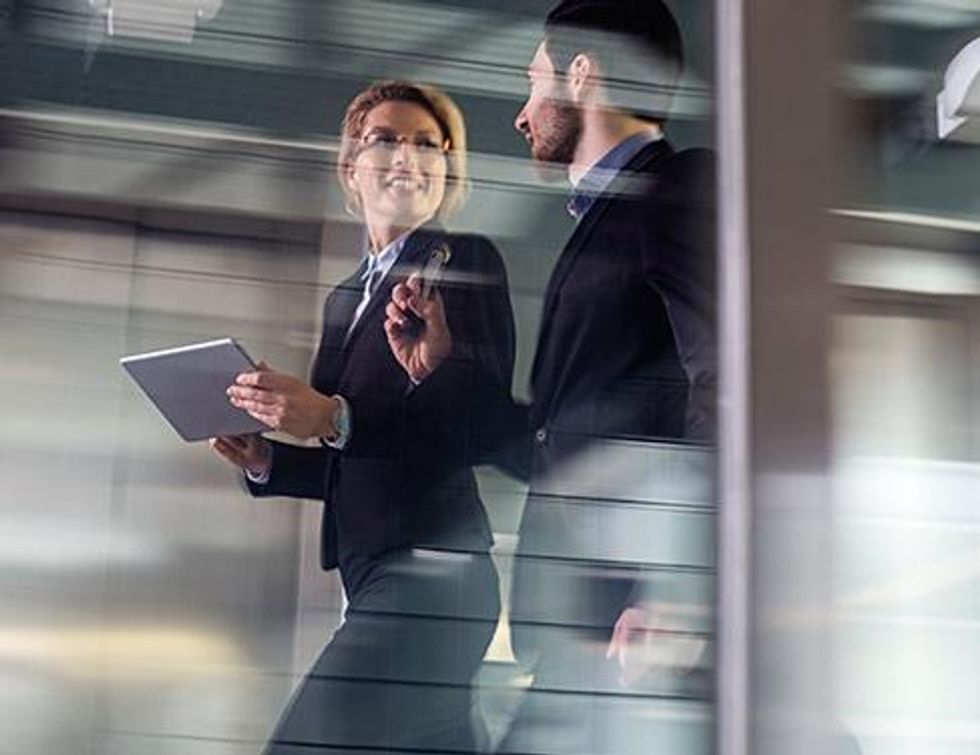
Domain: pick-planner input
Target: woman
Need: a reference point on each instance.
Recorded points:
(402, 518)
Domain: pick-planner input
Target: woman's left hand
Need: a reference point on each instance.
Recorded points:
(285, 403)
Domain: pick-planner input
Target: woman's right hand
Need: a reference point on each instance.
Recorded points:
(251, 453)
(420, 353)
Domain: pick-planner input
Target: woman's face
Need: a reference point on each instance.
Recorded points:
(399, 171)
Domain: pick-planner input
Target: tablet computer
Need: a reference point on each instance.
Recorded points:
(187, 385)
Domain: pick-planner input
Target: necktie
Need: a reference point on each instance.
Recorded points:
(373, 280)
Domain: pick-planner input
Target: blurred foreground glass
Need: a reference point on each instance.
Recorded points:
(905, 373)
(166, 177)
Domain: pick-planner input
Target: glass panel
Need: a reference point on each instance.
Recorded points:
(905, 372)
(168, 176)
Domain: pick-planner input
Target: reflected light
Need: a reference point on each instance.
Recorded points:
(125, 652)
(932, 14)
(917, 583)
(163, 20)
(911, 218)
(898, 269)
(46, 542)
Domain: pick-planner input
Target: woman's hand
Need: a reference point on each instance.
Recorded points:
(251, 453)
(285, 403)
(418, 351)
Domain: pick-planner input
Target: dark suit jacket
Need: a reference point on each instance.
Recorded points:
(627, 350)
(627, 346)
(405, 478)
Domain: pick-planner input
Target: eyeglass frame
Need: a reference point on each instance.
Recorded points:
(387, 142)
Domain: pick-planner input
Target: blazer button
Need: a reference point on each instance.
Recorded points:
(541, 436)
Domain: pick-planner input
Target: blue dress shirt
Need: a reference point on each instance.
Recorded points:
(598, 177)
(377, 268)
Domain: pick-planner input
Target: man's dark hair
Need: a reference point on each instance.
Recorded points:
(636, 42)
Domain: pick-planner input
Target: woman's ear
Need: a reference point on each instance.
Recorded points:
(349, 177)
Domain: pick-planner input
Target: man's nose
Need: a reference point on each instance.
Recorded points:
(520, 122)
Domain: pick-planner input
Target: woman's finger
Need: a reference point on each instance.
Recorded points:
(392, 330)
(255, 395)
(414, 284)
(255, 408)
(394, 314)
(417, 306)
(264, 378)
(271, 419)
(400, 294)
(227, 452)
(238, 442)
(432, 309)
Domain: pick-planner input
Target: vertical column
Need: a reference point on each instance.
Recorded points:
(734, 473)
(776, 124)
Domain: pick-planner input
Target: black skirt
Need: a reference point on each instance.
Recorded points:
(397, 674)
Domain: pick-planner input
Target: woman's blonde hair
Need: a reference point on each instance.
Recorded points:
(433, 101)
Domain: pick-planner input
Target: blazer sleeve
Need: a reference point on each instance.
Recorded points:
(679, 264)
(297, 472)
(463, 412)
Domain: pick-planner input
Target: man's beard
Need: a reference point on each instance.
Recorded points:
(556, 142)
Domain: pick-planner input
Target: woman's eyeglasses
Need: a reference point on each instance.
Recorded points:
(386, 143)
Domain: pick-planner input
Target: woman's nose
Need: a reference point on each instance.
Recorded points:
(405, 153)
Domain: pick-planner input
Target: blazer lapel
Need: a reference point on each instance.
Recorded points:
(338, 310)
(638, 168)
(341, 307)
(416, 245)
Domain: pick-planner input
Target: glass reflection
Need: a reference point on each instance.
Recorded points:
(166, 177)
(904, 377)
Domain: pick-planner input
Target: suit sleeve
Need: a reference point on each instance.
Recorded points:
(679, 263)
(463, 412)
(297, 472)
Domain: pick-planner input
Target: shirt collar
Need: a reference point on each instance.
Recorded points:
(601, 173)
(383, 260)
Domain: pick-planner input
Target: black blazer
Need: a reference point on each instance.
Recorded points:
(627, 349)
(627, 346)
(405, 477)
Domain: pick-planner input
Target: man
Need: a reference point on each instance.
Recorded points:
(626, 350)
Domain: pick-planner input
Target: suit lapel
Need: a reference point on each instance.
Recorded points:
(416, 245)
(337, 313)
(640, 167)
(341, 306)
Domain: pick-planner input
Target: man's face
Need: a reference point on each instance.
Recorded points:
(549, 121)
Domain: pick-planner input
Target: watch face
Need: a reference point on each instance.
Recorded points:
(341, 424)
(343, 421)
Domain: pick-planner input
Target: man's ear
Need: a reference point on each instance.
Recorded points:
(582, 75)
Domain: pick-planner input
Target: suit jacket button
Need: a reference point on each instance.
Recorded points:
(541, 436)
